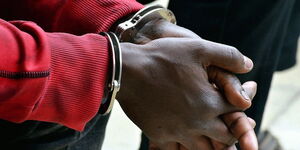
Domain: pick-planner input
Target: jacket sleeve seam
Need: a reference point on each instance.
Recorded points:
(22, 75)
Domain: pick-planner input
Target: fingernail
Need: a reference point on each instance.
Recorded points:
(245, 95)
(248, 63)
(252, 122)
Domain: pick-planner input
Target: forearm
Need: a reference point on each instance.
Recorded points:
(51, 77)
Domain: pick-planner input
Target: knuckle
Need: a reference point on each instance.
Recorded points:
(198, 49)
(214, 107)
(236, 122)
(240, 126)
(232, 141)
(199, 45)
(228, 137)
(234, 55)
(217, 105)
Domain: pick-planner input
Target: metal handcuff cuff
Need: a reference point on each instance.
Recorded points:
(123, 33)
(128, 29)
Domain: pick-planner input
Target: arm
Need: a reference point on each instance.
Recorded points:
(50, 77)
(77, 17)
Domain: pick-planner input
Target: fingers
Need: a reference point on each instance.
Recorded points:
(218, 146)
(224, 56)
(220, 132)
(221, 146)
(230, 85)
(242, 128)
(249, 141)
(252, 122)
(250, 88)
(210, 53)
(233, 147)
(199, 143)
(181, 147)
(166, 146)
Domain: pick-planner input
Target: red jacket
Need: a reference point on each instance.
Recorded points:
(51, 76)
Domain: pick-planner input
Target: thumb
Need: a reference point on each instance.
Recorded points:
(236, 94)
(224, 56)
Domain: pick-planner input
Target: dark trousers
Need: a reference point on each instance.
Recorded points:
(34, 135)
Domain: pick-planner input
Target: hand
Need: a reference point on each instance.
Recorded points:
(243, 128)
(165, 89)
(239, 124)
(160, 28)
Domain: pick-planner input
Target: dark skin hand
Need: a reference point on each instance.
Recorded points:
(206, 143)
(228, 84)
(238, 123)
(167, 91)
(161, 28)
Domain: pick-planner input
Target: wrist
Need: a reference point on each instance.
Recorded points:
(114, 82)
(136, 60)
(128, 29)
(131, 56)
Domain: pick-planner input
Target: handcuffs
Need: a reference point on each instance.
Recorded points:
(124, 33)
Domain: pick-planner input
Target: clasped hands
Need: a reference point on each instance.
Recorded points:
(182, 92)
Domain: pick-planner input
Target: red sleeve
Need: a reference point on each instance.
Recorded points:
(72, 16)
(53, 77)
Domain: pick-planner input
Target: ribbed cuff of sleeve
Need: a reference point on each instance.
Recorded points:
(79, 67)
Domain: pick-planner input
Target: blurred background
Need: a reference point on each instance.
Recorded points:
(281, 123)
